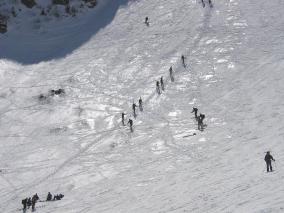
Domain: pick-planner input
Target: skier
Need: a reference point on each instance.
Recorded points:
(195, 110)
(147, 21)
(134, 109)
(183, 61)
(171, 74)
(34, 200)
(140, 104)
(203, 4)
(202, 116)
(162, 83)
(29, 202)
(24, 202)
(122, 118)
(60, 196)
(268, 157)
(210, 3)
(130, 122)
(200, 123)
(158, 88)
(49, 197)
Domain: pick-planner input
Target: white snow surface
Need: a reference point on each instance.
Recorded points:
(76, 145)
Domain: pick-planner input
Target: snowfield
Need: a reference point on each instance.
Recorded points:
(75, 144)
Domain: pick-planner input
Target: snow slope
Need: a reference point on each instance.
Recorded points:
(75, 144)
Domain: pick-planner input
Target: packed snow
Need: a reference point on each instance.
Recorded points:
(105, 60)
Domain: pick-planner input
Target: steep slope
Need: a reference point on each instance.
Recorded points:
(75, 144)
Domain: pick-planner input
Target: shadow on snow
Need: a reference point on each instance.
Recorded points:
(34, 48)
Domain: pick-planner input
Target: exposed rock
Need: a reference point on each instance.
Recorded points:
(3, 24)
(91, 3)
(29, 3)
(61, 2)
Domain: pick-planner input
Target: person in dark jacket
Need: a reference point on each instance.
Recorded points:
(29, 202)
(34, 200)
(171, 74)
(203, 4)
(268, 157)
(162, 83)
(158, 87)
(134, 109)
(122, 118)
(183, 61)
(194, 110)
(130, 122)
(49, 197)
(210, 3)
(140, 104)
(202, 116)
(200, 123)
(24, 202)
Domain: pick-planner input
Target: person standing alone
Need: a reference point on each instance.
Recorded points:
(122, 118)
(140, 104)
(268, 157)
(171, 74)
(158, 87)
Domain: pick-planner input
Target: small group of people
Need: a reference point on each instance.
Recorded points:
(134, 106)
(209, 3)
(30, 202)
(55, 197)
(160, 86)
(171, 74)
(56, 92)
(199, 118)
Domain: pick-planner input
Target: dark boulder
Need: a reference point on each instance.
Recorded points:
(61, 2)
(91, 3)
(3, 24)
(29, 3)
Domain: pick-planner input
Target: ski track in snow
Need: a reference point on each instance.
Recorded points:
(76, 145)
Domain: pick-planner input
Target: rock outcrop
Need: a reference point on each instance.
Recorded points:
(10, 10)
(60, 2)
(3, 24)
(29, 3)
(91, 3)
